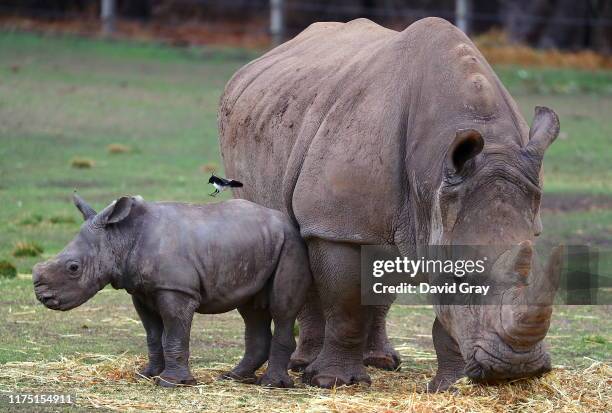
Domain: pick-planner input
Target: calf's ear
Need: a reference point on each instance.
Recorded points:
(468, 143)
(544, 130)
(115, 212)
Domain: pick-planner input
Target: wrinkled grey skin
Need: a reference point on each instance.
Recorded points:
(365, 135)
(178, 259)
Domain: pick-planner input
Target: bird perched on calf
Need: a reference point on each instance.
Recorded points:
(221, 184)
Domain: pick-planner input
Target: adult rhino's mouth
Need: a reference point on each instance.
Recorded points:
(495, 361)
(513, 348)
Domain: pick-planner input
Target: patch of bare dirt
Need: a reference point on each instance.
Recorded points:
(575, 202)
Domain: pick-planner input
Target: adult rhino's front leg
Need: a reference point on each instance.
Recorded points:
(450, 362)
(336, 271)
(379, 352)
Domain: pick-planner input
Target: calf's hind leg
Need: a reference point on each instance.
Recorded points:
(257, 338)
(312, 332)
(291, 283)
(283, 344)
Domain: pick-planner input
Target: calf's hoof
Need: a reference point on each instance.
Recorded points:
(246, 378)
(329, 377)
(279, 380)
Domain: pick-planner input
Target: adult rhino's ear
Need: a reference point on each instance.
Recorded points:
(544, 130)
(467, 145)
(86, 210)
(115, 212)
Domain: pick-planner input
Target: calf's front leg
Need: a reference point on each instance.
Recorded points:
(176, 311)
(154, 328)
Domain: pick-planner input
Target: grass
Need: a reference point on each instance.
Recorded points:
(7, 269)
(93, 353)
(75, 98)
(62, 219)
(33, 219)
(82, 163)
(27, 249)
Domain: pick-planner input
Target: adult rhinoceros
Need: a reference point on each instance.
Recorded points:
(365, 135)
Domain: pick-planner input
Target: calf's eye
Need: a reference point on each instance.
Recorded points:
(73, 267)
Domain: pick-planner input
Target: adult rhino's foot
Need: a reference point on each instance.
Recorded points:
(441, 383)
(150, 370)
(275, 379)
(304, 355)
(173, 379)
(386, 358)
(239, 376)
(328, 375)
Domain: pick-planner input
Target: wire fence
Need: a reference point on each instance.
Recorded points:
(258, 16)
(42, 9)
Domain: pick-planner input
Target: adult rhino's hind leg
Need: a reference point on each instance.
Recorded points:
(312, 331)
(379, 352)
(336, 271)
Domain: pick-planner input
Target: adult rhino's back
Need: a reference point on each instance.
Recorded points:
(280, 99)
(318, 123)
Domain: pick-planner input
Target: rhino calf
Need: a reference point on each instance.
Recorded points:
(178, 259)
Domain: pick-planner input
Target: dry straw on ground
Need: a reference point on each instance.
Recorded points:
(109, 382)
(498, 49)
(118, 148)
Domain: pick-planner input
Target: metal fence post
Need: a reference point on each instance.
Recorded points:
(107, 15)
(277, 24)
(462, 13)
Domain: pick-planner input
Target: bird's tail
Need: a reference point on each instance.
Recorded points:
(235, 184)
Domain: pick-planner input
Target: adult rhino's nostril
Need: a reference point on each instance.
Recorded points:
(474, 370)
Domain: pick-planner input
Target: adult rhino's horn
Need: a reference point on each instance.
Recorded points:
(522, 261)
(544, 130)
(542, 290)
(86, 210)
(527, 321)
